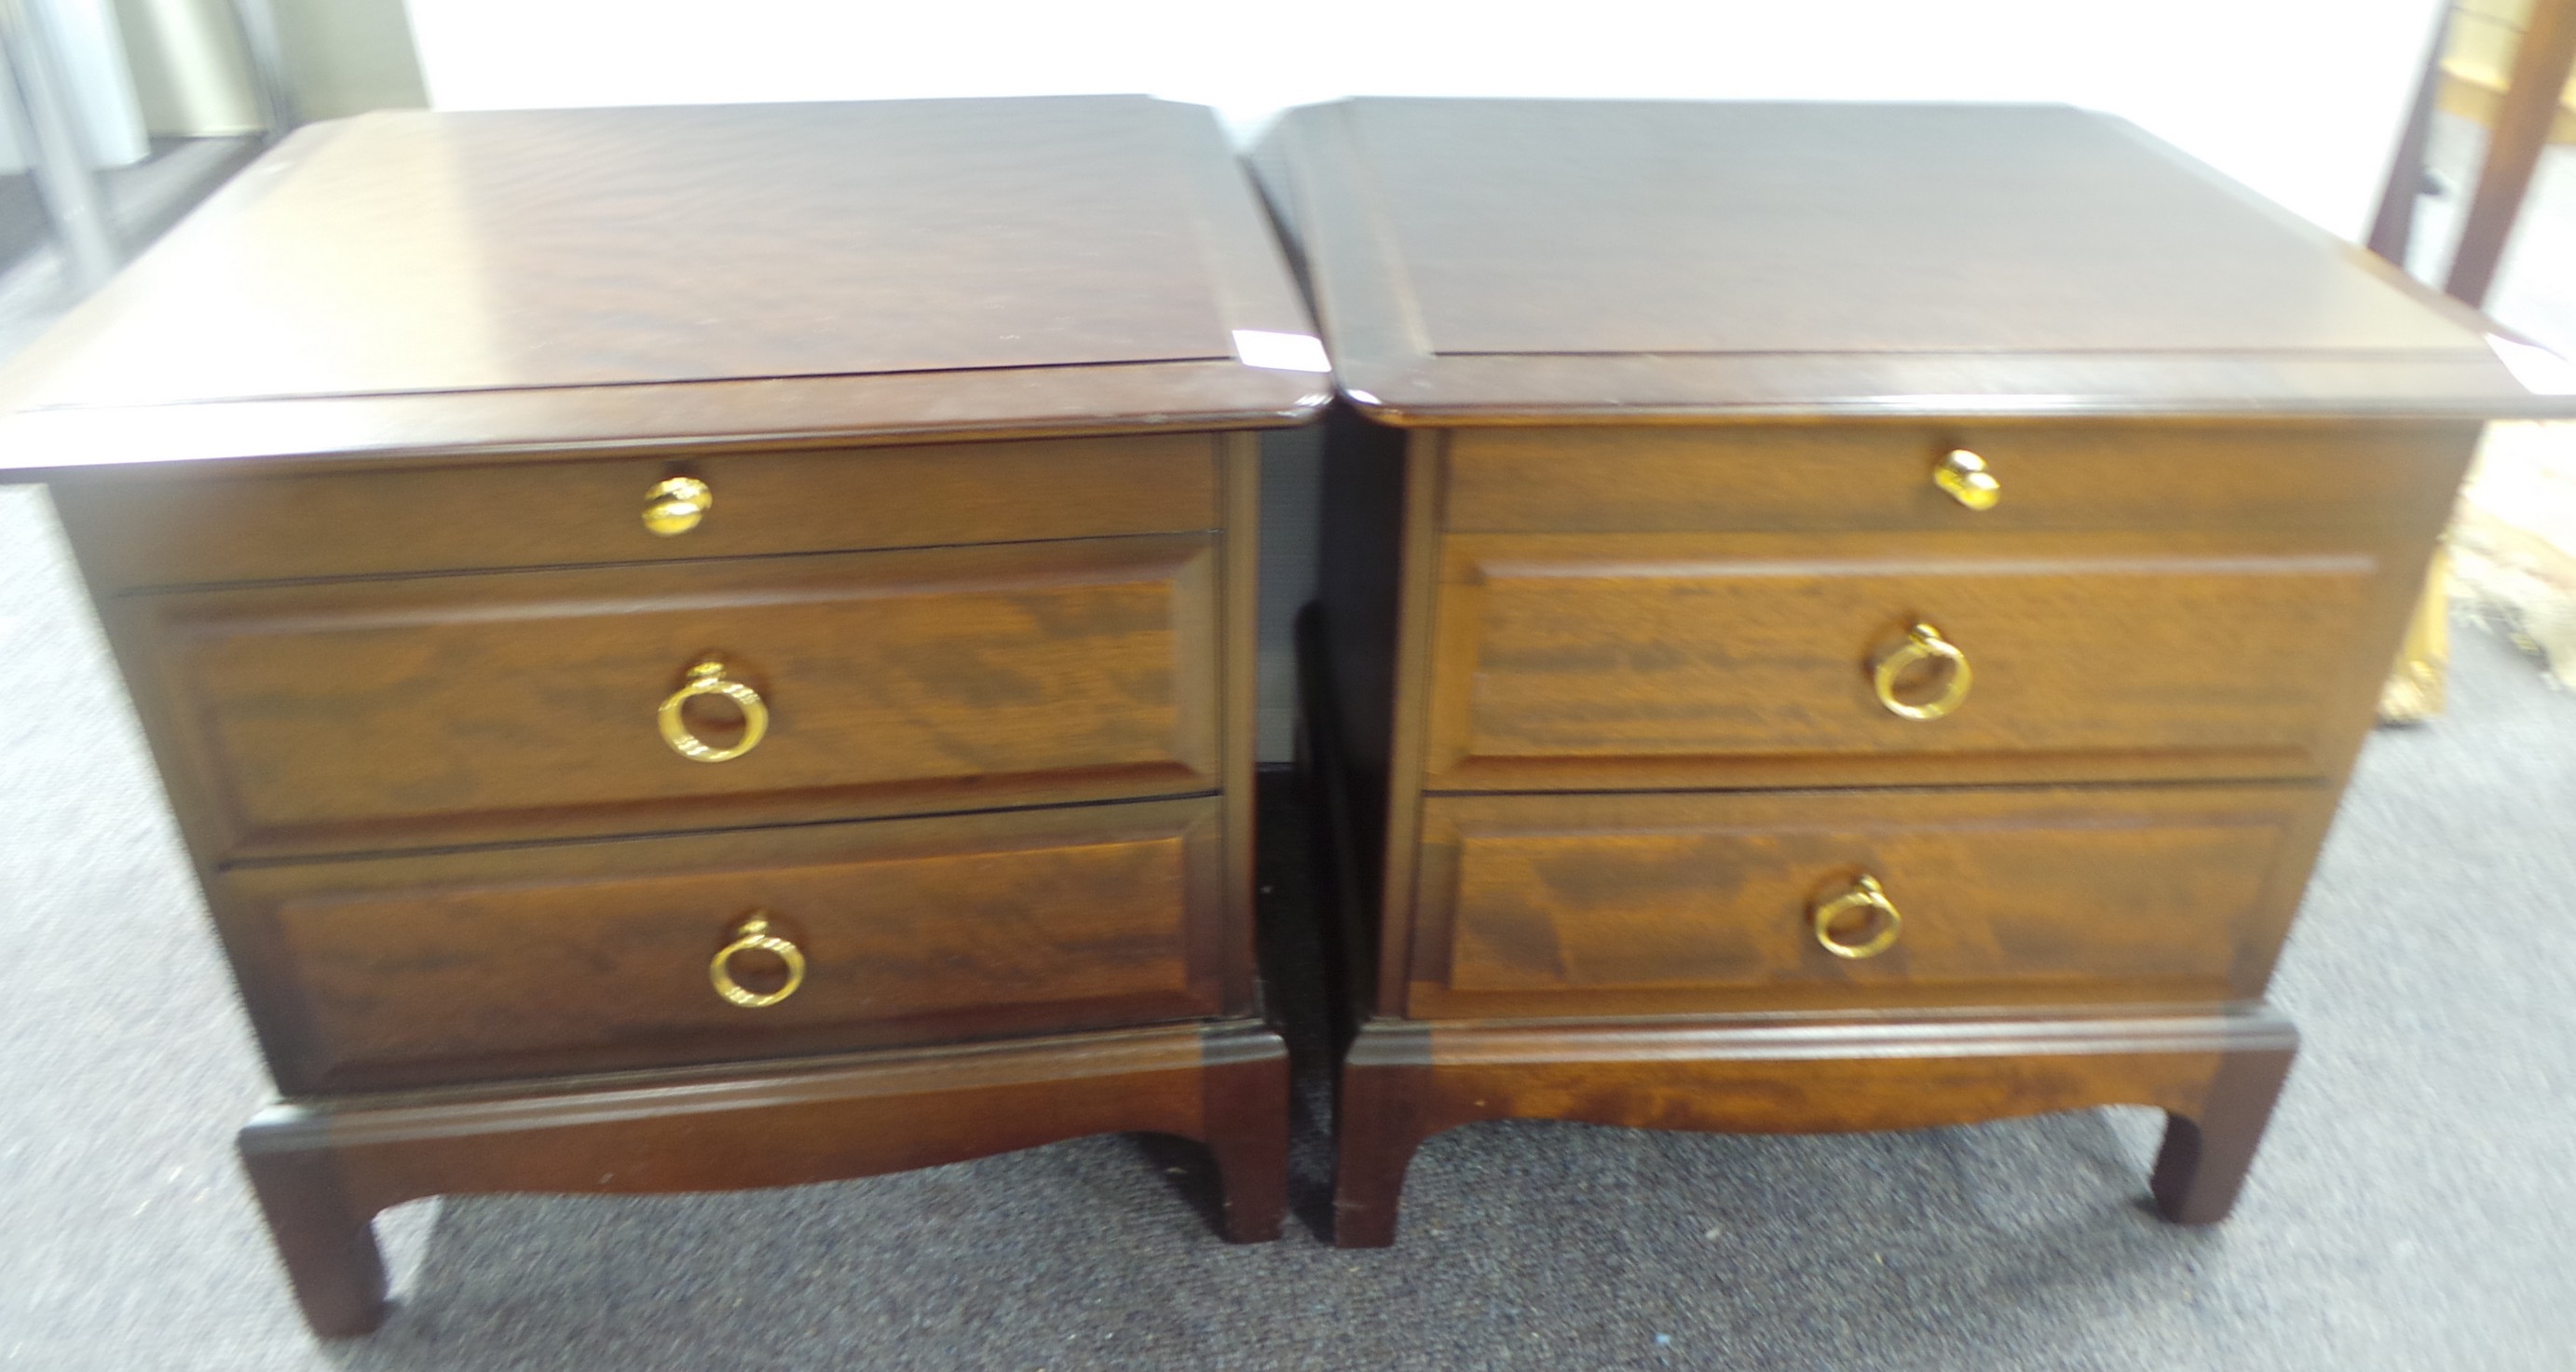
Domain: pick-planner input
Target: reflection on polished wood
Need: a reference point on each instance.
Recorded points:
(1503, 262)
(1638, 500)
(518, 705)
(533, 282)
(700, 648)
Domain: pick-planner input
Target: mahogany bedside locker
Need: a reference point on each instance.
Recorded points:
(701, 648)
(1842, 617)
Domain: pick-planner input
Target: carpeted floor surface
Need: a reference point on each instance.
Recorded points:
(2415, 1207)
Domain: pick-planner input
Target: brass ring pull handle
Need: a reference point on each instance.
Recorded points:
(1864, 894)
(708, 679)
(1963, 476)
(675, 506)
(1923, 643)
(752, 935)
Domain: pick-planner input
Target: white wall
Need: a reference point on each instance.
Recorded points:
(2301, 99)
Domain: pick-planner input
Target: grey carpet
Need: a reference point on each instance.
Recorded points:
(2412, 1209)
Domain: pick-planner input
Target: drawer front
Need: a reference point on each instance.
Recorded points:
(2394, 477)
(597, 956)
(1675, 904)
(198, 529)
(340, 717)
(1614, 662)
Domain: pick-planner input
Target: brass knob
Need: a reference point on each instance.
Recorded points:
(675, 506)
(1923, 643)
(1884, 923)
(752, 935)
(1964, 476)
(707, 678)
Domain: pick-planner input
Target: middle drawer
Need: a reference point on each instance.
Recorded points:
(354, 716)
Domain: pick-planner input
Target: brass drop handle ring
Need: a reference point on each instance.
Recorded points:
(707, 678)
(1963, 476)
(752, 935)
(1864, 894)
(1923, 643)
(675, 506)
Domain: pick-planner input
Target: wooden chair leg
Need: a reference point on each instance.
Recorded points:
(2541, 62)
(2203, 1162)
(329, 1244)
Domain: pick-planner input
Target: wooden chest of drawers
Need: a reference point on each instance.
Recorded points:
(1840, 617)
(698, 649)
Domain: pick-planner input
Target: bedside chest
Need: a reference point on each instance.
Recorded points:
(1841, 617)
(701, 648)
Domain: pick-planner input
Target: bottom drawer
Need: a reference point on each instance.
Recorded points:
(1664, 904)
(601, 956)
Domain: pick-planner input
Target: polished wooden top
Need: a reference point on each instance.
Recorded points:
(408, 280)
(1545, 260)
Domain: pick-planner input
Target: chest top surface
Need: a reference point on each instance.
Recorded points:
(456, 265)
(1483, 259)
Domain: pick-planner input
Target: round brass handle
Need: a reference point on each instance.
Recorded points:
(1963, 475)
(708, 679)
(675, 506)
(1923, 643)
(1864, 894)
(752, 935)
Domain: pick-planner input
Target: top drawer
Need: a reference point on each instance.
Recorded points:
(2379, 477)
(203, 528)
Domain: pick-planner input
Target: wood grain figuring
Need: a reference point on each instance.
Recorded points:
(415, 251)
(1239, 671)
(1544, 262)
(1663, 646)
(148, 529)
(323, 1169)
(1413, 1081)
(1415, 725)
(2055, 477)
(522, 705)
(536, 282)
(1671, 382)
(1573, 905)
(1948, 228)
(593, 957)
(356, 463)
